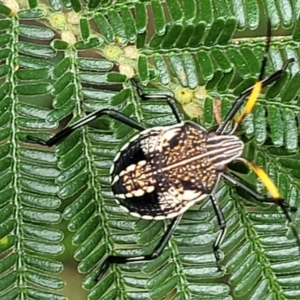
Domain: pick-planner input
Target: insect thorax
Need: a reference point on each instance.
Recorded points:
(164, 170)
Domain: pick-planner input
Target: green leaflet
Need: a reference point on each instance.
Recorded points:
(63, 66)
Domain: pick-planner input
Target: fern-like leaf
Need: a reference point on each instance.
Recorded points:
(77, 62)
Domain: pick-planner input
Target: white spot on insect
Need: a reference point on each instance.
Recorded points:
(122, 173)
(169, 134)
(150, 189)
(190, 195)
(173, 215)
(142, 162)
(123, 148)
(112, 167)
(128, 195)
(131, 168)
(136, 215)
(138, 193)
(117, 157)
(162, 207)
(145, 217)
(115, 179)
(121, 196)
(159, 218)
(125, 209)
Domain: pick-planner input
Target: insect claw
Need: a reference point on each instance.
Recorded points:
(218, 259)
(287, 206)
(281, 202)
(36, 140)
(133, 81)
(103, 270)
(138, 89)
(219, 266)
(287, 62)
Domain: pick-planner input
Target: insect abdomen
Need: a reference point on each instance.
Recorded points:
(163, 171)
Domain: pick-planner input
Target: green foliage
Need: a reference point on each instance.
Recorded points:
(79, 60)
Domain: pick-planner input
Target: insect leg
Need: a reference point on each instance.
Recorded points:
(170, 100)
(144, 258)
(254, 91)
(275, 200)
(84, 121)
(240, 100)
(237, 182)
(222, 232)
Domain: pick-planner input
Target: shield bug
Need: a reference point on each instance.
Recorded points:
(164, 170)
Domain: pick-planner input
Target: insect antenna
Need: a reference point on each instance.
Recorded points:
(253, 92)
(257, 86)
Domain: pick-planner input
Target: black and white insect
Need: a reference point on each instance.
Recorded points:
(163, 171)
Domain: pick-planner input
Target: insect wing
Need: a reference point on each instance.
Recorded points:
(134, 177)
(187, 175)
